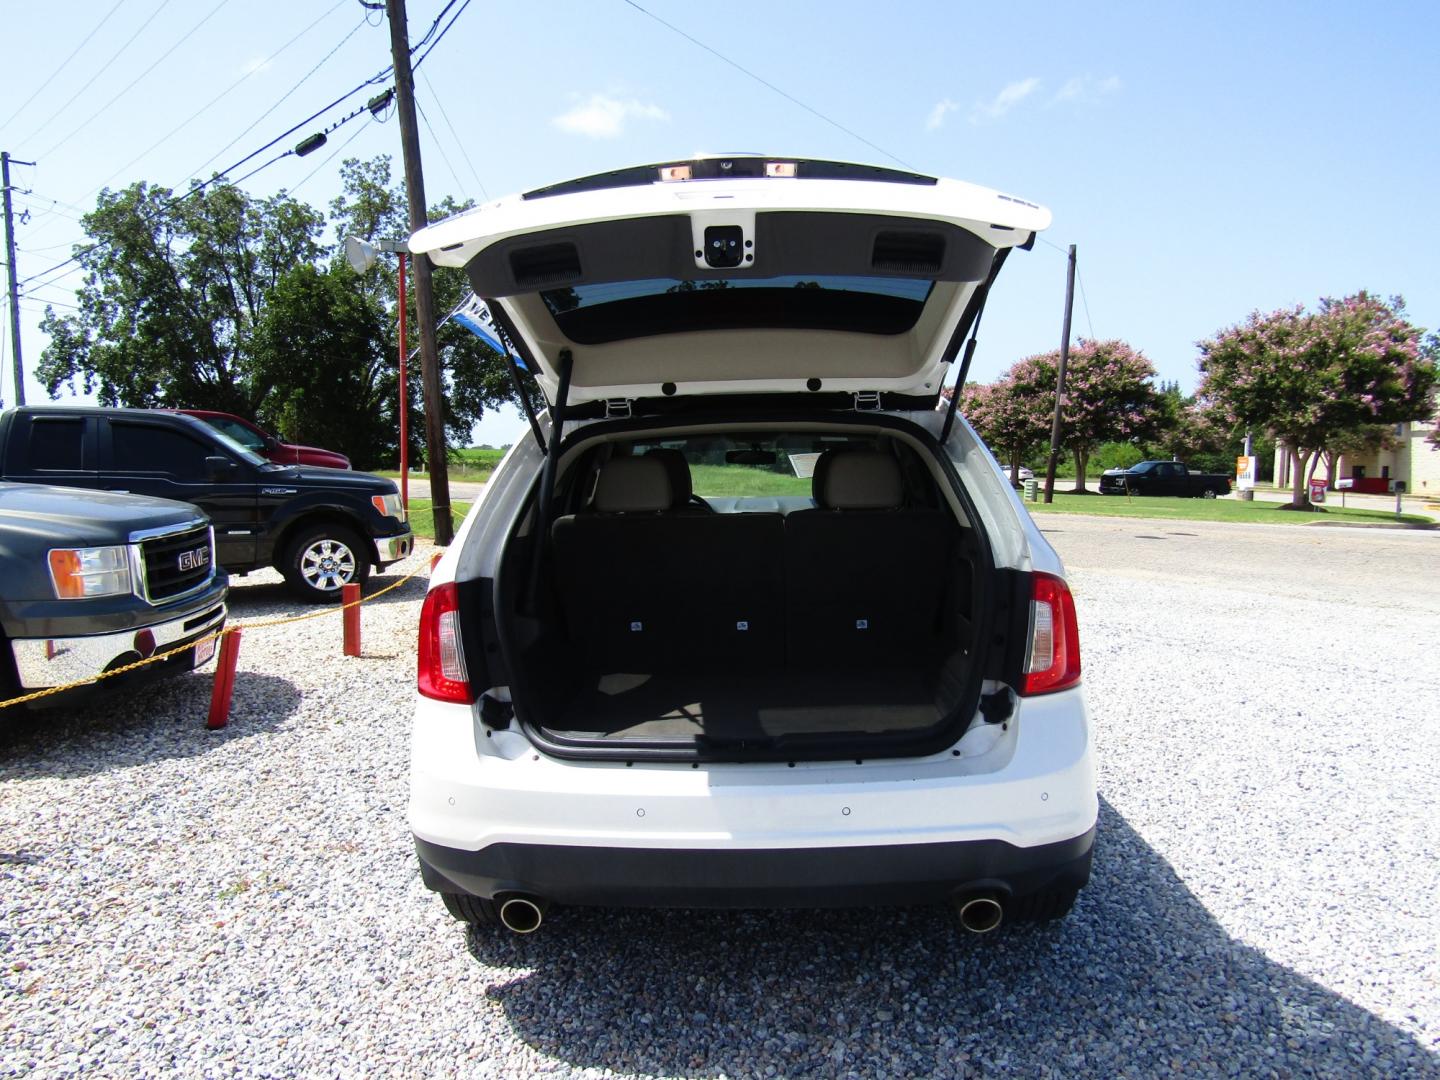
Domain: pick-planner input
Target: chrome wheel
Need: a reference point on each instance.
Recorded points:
(327, 565)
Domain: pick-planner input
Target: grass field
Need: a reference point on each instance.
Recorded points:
(422, 518)
(1172, 509)
(473, 466)
(743, 480)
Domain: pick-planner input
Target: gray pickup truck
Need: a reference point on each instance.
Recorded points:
(91, 581)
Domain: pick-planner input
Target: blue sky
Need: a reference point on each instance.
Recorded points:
(1207, 160)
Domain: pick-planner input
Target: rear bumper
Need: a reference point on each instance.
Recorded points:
(769, 878)
(1012, 808)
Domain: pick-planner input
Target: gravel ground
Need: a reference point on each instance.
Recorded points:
(1265, 899)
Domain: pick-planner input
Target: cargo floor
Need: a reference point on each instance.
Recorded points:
(753, 705)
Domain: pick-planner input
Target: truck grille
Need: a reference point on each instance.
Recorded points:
(177, 563)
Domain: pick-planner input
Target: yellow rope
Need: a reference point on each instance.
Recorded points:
(157, 657)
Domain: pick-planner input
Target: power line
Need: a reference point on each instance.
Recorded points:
(458, 141)
(25, 284)
(63, 65)
(30, 293)
(421, 58)
(443, 156)
(1080, 280)
(115, 98)
(30, 304)
(48, 247)
(283, 98)
(339, 149)
(231, 88)
(434, 23)
(196, 188)
(103, 68)
(34, 197)
(769, 85)
(261, 168)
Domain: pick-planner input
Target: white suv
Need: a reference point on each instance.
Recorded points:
(745, 620)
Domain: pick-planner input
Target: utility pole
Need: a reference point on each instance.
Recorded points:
(5, 160)
(1060, 379)
(424, 294)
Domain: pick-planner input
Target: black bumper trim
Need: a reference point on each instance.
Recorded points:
(756, 878)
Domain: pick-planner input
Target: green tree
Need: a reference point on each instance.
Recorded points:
(474, 376)
(320, 343)
(1309, 377)
(172, 294)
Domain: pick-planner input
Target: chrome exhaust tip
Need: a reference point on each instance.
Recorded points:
(979, 914)
(522, 915)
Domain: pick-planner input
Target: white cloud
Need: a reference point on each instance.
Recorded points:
(1010, 96)
(1085, 88)
(602, 117)
(942, 109)
(260, 63)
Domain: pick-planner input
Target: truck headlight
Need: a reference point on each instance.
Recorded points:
(97, 571)
(389, 506)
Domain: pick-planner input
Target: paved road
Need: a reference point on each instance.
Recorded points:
(1411, 504)
(459, 490)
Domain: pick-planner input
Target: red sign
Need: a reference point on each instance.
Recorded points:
(1317, 491)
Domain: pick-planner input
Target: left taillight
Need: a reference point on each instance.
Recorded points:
(1054, 659)
(442, 660)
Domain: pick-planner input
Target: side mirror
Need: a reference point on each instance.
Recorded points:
(221, 468)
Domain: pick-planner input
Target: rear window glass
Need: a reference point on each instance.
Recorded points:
(55, 444)
(768, 465)
(612, 311)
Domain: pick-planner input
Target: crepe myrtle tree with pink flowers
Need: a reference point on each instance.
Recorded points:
(1109, 397)
(1311, 377)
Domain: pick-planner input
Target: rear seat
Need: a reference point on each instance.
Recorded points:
(864, 578)
(646, 586)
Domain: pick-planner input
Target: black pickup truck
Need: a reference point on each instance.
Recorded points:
(1163, 478)
(321, 528)
(91, 581)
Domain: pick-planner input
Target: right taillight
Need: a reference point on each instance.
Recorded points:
(442, 662)
(1054, 660)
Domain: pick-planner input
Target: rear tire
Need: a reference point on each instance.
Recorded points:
(1209, 493)
(1044, 906)
(320, 560)
(475, 911)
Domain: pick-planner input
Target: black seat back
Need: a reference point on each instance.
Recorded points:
(863, 575)
(645, 588)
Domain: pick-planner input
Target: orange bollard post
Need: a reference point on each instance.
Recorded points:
(350, 596)
(224, 686)
(435, 560)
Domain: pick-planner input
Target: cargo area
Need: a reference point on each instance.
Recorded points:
(727, 594)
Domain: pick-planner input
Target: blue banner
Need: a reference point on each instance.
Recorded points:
(474, 315)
